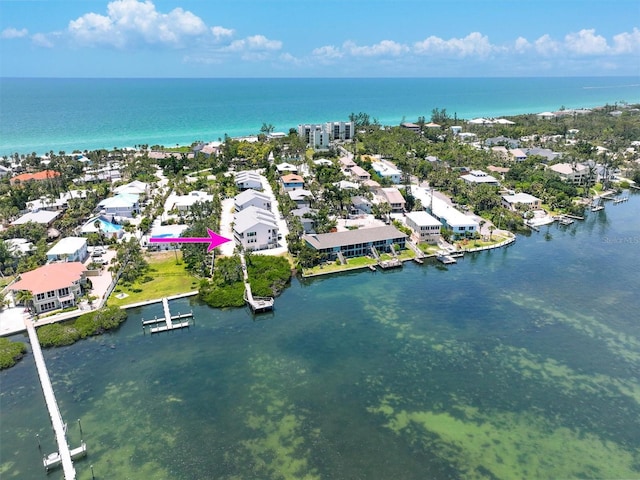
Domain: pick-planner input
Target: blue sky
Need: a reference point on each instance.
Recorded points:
(328, 38)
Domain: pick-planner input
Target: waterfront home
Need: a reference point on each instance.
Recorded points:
(252, 198)
(426, 228)
(460, 224)
(4, 171)
(292, 182)
(42, 217)
(394, 198)
(388, 171)
(69, 249)
(104, 226)
(184, 203)
(248, 179)
(477, 177)
(577, 174)
(302, 198)
(512, 201)
(360, 174)
(53, 286)
(121, 205)
(255, 229)
(356, 243)
(34, 177)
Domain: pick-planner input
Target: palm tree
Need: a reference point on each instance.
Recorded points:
(25, 297)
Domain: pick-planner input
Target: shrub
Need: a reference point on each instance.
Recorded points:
(57, 335)
(10, 352)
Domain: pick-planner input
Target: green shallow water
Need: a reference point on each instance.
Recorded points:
(517, 363)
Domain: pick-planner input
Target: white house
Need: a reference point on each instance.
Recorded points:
(252, 198)
(511, 201)
(255, 229)
(69, 249)
(302, 197)
(183, 203)
(477, 177)
(361, 205)
(122, 205)
(248, 179)
(136, 187)
(387, 171)
(426, 228)
(287, 167)
(460, 224)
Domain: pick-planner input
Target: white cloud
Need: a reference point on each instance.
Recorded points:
(221, 33)
(327, 52)
(522, 45)
(586, 42)
(129, 22)
(384, 48)
(255, 43)
(42, 40)
(627, 42)
(474, 44)
(546, 46)
(10, 33)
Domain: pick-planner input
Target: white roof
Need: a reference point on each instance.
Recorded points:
(248, 195)
(191, 198)
(442, 209)
(42, 217)
(120, 200)
(521, 198)
(423, 219)
(384, 170)
(67, 245)
(286, 167)
(300, 194)
(249, 217)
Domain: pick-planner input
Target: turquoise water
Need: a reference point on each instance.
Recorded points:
(40, 115)
(522, 362)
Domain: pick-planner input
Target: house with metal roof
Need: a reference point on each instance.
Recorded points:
(426, 228)
(42, 217)
(356, 243)
(248, 179)
(122, 205)
(252, 198)
(255, 229)
(69, 249)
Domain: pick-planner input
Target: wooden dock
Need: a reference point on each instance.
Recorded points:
(170, 322)
(64, 456)
(257, 304)
(445, 258)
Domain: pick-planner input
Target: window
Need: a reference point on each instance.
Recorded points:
(51, 294)
(40, 296)
(63, 292)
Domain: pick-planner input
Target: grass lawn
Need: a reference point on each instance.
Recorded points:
(168, 278)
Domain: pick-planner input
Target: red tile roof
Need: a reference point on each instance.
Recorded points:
(43, 175)
(49, 277)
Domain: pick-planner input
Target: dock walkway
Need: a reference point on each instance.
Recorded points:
(169, 321)
(64, 453)
(257, 304)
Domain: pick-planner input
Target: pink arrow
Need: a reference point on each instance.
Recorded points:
(213, 240)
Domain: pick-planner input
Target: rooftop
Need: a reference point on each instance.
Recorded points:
(67, 245)
(49, 277)
(351, 237)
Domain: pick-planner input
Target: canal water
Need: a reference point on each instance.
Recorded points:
(522, 362)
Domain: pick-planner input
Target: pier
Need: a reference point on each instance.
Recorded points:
(170, 322)
(257, 304)
(64, 456)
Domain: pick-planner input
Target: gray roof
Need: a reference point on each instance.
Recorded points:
(351, 237)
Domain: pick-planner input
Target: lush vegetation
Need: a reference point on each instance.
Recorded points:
(89, 324)
(268, 276)
(10, 352)
(166, 275)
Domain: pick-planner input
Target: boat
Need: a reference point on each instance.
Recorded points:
(565, 221)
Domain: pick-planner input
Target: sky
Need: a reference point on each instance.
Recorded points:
(328, 38)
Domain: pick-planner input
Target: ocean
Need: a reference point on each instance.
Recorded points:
(43, 115)
(521, 362)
